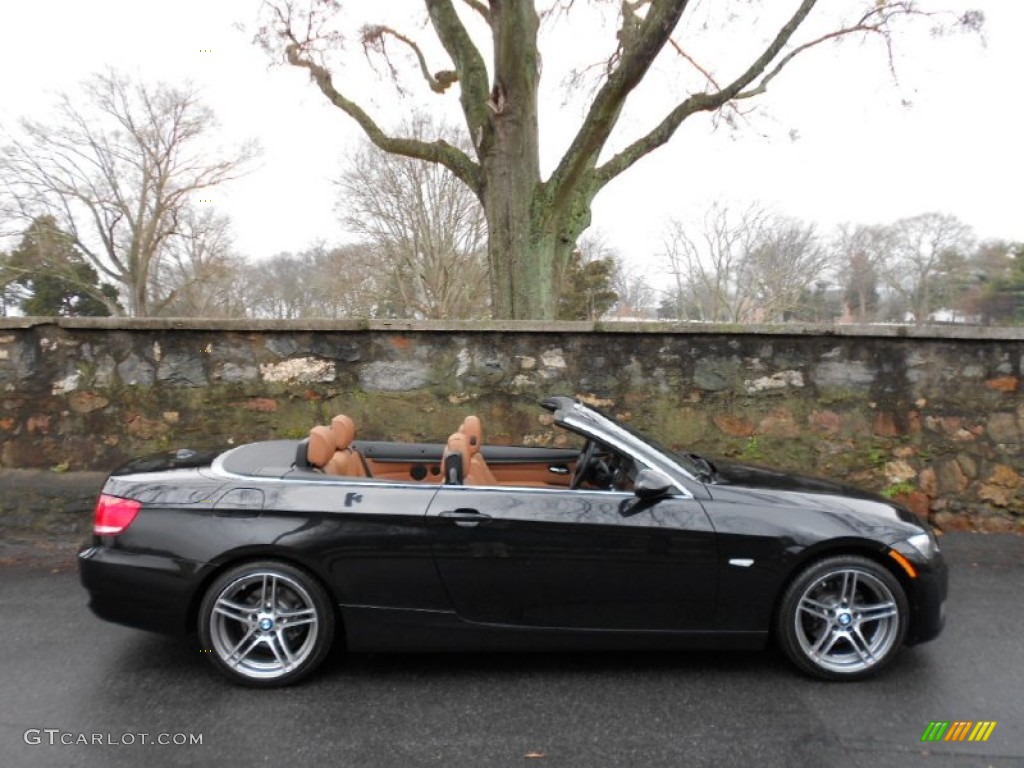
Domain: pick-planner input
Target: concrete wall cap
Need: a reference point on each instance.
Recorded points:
(940, 332)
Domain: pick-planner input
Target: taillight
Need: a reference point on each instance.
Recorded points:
(113, 515)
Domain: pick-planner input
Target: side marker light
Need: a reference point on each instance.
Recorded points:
(905, 564)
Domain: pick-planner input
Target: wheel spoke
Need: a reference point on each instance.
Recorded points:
(860, 645)
(298, 617)
(876, 612)
(281, 650)
(232, 610)
(268, 590)
(815, 608)
(234, 657)
(820, 648)
(849, 590)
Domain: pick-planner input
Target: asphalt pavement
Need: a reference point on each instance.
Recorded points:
(75, 691)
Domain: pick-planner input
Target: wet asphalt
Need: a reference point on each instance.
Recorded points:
(113, 693)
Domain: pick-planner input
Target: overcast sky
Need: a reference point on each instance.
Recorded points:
(832, 141)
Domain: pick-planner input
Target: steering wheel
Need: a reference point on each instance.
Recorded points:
(583, 464)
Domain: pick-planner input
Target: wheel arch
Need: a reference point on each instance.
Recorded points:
(245, 555)
(867, 548)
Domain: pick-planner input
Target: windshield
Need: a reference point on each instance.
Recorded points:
(696, 465)
(693, 464)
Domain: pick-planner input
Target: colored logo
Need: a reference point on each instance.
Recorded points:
(958, 730)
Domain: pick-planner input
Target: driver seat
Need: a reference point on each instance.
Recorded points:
(455, 461)
(316, 451)
(479, 473)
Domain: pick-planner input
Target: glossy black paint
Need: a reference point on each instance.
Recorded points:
(421, 566)
(584, 559)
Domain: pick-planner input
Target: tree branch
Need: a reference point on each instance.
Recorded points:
(874, 21)
(702, 102)
(439, 151)
(695, 64)
(373, 37)
(480, 8)
(640, 42)
(474, 83)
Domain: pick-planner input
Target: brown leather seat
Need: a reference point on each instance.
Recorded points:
(346, 460)
(479, 473)
(330, 449)
(320, 447)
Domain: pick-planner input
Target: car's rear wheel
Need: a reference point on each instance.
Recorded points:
(842, 618)
(266, 623)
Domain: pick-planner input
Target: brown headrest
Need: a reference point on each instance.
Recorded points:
(344, 430)
(321, 446)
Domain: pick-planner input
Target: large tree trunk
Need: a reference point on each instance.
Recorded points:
(511, 169)
(529, 246)
(530, 236)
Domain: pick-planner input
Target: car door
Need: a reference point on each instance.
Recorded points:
(574, 558)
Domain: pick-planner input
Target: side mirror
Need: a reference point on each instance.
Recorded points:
(652, 484)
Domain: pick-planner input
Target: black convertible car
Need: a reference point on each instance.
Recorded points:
(273, 551)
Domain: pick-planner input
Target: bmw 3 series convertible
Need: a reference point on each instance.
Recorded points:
(273, 552)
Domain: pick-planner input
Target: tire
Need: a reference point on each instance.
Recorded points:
(842, 618)
(266, 624)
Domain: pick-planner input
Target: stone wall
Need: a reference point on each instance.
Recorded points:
(933, 416)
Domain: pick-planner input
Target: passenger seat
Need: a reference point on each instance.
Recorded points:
(347, 460)
(330, 450)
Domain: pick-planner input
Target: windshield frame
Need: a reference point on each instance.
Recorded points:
(576, 416)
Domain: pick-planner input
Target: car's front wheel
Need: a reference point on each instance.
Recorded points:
(842, 618)
(266, 623)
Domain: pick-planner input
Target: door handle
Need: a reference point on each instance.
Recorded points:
(558, 469)
(465, 517)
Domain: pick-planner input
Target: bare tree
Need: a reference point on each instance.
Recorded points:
(751, 266)
(781, 266)
(197, 273)
(635, 296)
(278, 288)
(863, 253)
(927, 262)
(320, 282)
(118, 169)
(534, 222)
(707, 260)
(426, 227)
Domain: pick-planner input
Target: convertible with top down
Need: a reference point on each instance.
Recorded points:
(275, 551)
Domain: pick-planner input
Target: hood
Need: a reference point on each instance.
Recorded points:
(741, 492)
(752, 476)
